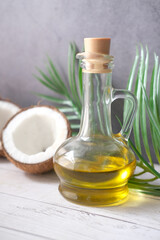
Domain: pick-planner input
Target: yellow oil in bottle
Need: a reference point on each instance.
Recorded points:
(101, 182)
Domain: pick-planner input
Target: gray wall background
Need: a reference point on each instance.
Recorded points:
(31, 29)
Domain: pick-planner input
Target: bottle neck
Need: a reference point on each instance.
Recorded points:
(96, 108)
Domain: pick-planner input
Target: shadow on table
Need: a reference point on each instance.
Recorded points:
(49, 177)
(4, 160)
(138, 206)
(136, 201)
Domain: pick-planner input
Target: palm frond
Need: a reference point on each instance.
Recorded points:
(158, 93)
(80, 78)
(143, 122)
(130, 83)
(140, 123)
(71, 75)
(153, 120)
(69, 101)
(136, 125)
(56, 75)
(153, 105)
(54, 99)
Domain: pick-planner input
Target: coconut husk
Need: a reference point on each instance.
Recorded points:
(6, 100)
(1, 153)
(41, 167)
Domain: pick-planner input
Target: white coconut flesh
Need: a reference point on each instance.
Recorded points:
(34, 135)
(7, 110)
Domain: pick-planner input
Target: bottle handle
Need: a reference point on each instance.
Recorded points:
(128, 121)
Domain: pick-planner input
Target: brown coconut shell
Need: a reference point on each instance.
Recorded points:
(1, 153)
(41, 167)
(6, 100)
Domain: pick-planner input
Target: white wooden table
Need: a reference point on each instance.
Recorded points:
(32, 208)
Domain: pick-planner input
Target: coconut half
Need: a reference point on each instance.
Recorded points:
(7, 110)
(32, 136)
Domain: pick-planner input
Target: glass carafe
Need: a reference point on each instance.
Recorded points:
(94, 167)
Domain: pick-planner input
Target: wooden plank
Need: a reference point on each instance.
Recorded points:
(11, 234)
(57, 222)
(44, 188)
(140, 212)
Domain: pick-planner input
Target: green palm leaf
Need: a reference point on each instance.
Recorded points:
(153, 120)
(54, 99)
(136, 126)
(158, 94)
(56, 79)
(153, 104)
(51, 87)
(71, 75)
(143, 122)
(130, 83)
(80, 78)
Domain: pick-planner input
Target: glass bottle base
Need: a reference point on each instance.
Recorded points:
(95, 197)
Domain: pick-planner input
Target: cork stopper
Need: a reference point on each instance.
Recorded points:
(97, 45)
